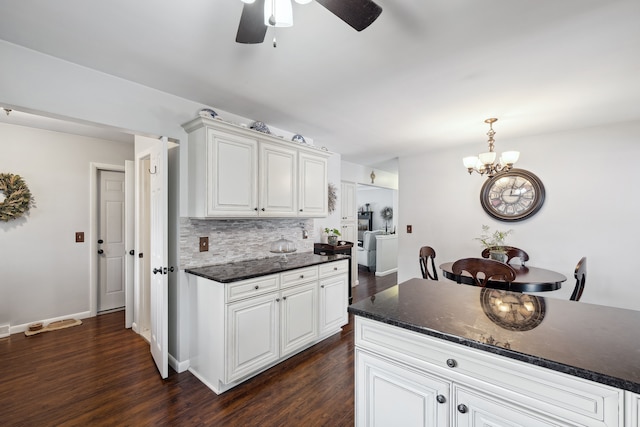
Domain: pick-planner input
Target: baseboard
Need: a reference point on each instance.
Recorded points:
(386, 272)
(5, 330)
(25, 326)
(178, 366)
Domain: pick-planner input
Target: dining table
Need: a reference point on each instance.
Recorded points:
(528, 279)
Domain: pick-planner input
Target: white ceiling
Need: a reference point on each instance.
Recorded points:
(424, 75)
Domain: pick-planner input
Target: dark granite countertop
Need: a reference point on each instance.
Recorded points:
(594, 342)
(235, 271)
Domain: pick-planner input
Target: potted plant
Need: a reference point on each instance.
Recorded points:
(495, 242)
(332, 235)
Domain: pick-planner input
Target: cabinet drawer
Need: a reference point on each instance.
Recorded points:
(332, 268)
(548, 391)
(295, 277)
(252, 287)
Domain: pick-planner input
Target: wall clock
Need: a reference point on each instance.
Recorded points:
(513, 195)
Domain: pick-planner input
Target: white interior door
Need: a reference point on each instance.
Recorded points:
(129, 238)
(158, 227)
(111, 241)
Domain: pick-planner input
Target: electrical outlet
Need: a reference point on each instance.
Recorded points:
(79, 236)
(409, 229)
(204, 244)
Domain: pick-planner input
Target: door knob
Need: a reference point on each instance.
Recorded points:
(100, 251)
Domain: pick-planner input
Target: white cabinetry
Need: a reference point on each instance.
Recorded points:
(632, 409)
(278, 181)
(334, 296)
(427, 378)
(348, 223)
(239, 329)
(313, 184)
(240, 173)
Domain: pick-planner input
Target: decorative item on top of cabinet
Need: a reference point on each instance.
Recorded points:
(236, 172)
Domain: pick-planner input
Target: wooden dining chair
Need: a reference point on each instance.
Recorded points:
(581, 277)
(428, 253)
(489, 268)
(512, 252)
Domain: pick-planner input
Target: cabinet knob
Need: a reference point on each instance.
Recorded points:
(335, 268)
(302, 276)
(262, 209)
(452, 363)
(100, 251)
(441, 399)
(256, 287)
(284, 298)
(255, 209)
(462, 408)
(277, 299)
(322, 286)
(301, 210)
(157, 270)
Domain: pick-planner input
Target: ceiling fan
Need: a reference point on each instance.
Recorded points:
(257, 15)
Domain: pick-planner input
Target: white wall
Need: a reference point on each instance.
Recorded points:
(591, 209)
(45, 273)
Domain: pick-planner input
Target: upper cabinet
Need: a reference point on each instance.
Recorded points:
(240, 173)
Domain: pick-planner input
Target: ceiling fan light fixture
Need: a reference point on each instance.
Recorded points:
(278, 13)
(303, 1)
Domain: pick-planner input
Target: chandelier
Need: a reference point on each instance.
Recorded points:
(485, 163)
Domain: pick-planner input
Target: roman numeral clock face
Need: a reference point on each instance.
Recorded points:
(513, 195)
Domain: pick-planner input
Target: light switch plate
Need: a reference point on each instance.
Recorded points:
(79, 236)
(204, 244)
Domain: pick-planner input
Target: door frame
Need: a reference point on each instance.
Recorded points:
(93, 230)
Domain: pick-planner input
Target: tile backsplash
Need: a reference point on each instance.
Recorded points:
(239, 239)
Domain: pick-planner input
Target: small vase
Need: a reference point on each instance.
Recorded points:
(333, 240)
(498, 256)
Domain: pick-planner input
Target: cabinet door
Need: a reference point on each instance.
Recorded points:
(232, 177)
(278, 181)
(333, 303)
(298, 317)
(313, 197)
(472, 408)
(252, 335)
(632, 409)
(348, 201)
(348, 231)
(391, 394)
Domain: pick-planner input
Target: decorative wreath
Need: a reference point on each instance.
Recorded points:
(17, 197)
(387, 213)
(332, 197)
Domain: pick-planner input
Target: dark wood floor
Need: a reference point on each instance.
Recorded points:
(100, 374)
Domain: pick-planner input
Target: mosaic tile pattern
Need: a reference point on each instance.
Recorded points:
(239, 239)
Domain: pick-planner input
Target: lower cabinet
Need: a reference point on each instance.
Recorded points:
(240, 329)
(411, 379)
(632, 409)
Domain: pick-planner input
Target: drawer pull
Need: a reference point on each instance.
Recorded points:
(441, 399)
(452, 363)
(462, 408)
(256, 287)
(302, 276)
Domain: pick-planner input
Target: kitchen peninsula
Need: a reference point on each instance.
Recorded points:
(248, 316)
(438, 353)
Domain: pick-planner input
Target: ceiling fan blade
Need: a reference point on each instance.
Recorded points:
(357, 13)
(252, 28)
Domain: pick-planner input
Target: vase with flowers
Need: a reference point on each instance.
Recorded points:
(495, 241)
